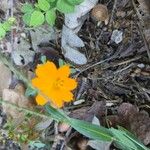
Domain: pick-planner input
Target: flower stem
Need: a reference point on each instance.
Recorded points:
(25, 110)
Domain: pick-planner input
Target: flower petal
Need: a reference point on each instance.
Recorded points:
(70, 84)
(67, 96)
(58, 103)
(41, 100)
(42, 84)
(46, 70)
(64, 71)
(56, 97)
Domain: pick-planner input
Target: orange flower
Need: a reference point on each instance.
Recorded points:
(54, 83)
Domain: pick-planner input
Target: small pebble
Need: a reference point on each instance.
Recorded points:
(117, 36)
(141, 66)
(78, 102)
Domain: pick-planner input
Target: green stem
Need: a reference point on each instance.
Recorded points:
(25, 110)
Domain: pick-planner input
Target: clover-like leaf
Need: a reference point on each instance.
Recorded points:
(43, 5)
(37, 18)
(64, 7)
(2, 31)
(27, 8)
(51, 17)
(26, 18)
(6, 26)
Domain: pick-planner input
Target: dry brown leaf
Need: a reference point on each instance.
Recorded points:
(97, 109)
(138, 122)
(16, 97)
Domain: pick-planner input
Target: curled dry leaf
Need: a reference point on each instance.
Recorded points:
(5, 77)
(73, 23)
(97, 109)
(100, 13)
(138, 122)
(42, 35)
(22, 55)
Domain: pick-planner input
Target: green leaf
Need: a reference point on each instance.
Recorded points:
(51, 1)
(86, 128)
(43, 59)
(27, 8)
(37, 144)
(36, 6)
(122, 141)
(90, 130)
(37, 18)
(43, 5)
(64, 7)
(75, 2)
(121, 138)
(73, 70)
(133, 138)
(30, 92)
(56, 114)
(61, 62)
(51, 17)
(2, 31)
(26, 18)
(11, 20)
(6, 26)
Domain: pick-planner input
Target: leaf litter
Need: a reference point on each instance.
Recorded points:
(116, 92)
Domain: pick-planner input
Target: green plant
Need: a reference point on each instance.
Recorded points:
(122, 138)
(6, 26)
(45, 10)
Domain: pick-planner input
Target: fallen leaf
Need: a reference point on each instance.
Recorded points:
(138, 122)
(22, 55)
(16, 97)
(70, 42)
(41, 35)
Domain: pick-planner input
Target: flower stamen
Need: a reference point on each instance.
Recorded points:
(59, 83)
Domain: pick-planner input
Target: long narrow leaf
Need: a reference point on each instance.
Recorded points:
(56, 115)
(133, 138)
(87, 129)
(124, 141)
(92, 131)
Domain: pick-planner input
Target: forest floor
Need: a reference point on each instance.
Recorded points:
(113, 84)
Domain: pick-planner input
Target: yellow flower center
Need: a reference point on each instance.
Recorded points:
(59, 83)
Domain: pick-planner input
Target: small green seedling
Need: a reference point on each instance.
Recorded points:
(6, 26)
(45, 10)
